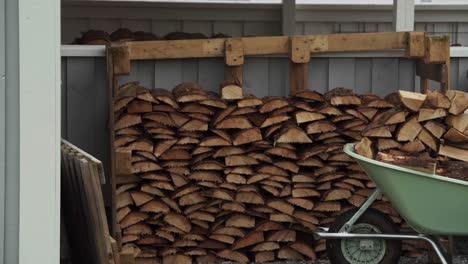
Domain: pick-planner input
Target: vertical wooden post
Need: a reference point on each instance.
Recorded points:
(234, 59)
(112, 86)
(298, 69)
(446, 86)
(127, 256)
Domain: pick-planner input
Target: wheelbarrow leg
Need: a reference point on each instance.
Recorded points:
(348, 225)
(439, 249)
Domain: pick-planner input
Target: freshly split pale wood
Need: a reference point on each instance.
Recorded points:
(412, 101)
(459, 101)
(409, 130)
(231, 92)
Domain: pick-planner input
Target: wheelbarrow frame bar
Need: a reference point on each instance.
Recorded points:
(344, 233)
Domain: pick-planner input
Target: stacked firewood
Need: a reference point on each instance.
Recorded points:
(203, 178)
(99, 37)
(426, 132)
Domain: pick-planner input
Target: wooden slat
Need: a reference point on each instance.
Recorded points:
(416, 45)
(366, 41)
(85, 214)
(202, 48)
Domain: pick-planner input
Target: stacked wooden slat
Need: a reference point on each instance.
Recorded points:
(201, 178)
(83, 211)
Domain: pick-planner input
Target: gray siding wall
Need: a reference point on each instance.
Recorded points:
(249, 20)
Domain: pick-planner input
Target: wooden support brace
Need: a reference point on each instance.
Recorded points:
(437, 49)
(234, 59)
(127, 256)
(436, 63)
(300, 57)
(121, 59)
(234, 52)
(416, 45)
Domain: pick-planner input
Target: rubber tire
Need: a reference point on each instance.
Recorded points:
(372, 217)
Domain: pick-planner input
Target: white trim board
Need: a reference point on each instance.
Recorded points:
(39, 131)
(100, 50)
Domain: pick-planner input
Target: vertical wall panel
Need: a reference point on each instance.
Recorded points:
(162, 27)
(341, 73)
(318, 28)
(262, 28)
(462, 34)
(256, 73)
(204, 27)
(107, 25)
(167, 73)
(384, 76)
(406, 73)
(2, 128)
(72, 29)
(348, 27)
(455, 72)
(63, 94)
(318, 75)
(463, 74)
(81, 101)
(211, 73)
(363, 75)
(370, 27)
(384, 27)
(278, 77)
(190, 70)
(234, 29)
(137, 24)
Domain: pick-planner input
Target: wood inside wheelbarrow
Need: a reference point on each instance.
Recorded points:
(431, 204)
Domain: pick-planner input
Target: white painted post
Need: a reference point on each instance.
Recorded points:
(289, 17)
(403, 15)
(39, 131)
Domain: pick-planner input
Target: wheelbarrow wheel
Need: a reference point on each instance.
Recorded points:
(364, 251)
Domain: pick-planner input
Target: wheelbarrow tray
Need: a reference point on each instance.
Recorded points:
(431, 204)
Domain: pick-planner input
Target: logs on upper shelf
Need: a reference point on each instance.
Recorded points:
(201, 179)
(99, 37)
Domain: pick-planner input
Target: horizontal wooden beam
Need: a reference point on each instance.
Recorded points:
(205, 48)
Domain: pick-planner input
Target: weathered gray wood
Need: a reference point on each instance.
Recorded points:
(318, 75)
(318, 28)
(2, 127)
(104, 24)
(190, 70)
(64, 92)
(363, 76)
(278, 77)
(256, 76)
(203, 27)
(234, 29)
(345, 69)
(384, 75)
(167, 73)
(211, 73)
(406, 74)
(162, 27)
(262, 28)
(137, 24)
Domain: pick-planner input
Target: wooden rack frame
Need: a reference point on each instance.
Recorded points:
(431, 52)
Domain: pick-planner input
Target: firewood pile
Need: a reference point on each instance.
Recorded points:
(99, 37)
(203, 178)
(425, 132)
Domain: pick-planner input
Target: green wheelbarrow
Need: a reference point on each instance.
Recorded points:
(432, 205)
